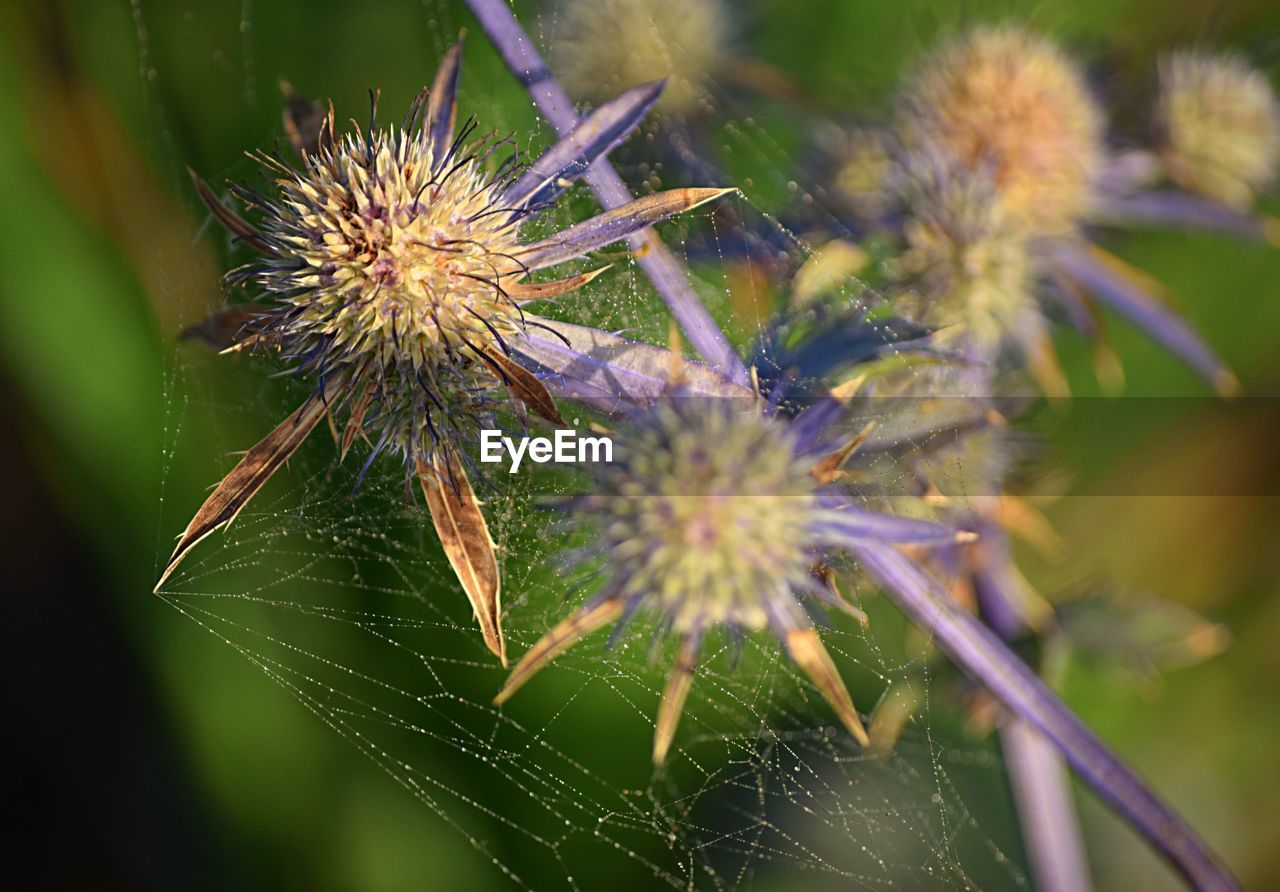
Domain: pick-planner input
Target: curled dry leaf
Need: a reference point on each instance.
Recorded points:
(255, 469)
(525, 386)
(234, 223)
(464, 535)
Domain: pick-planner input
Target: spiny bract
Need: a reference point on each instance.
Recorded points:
(1006, 99)
(1220, 125)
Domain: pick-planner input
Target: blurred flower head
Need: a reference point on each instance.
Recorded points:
(604, 46)
(1010, 101)
(1220, 126)
(709, 516)
(965, 253)
(863, 161)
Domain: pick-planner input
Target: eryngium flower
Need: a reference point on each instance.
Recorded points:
(1003, 98)
(603, 46)
(965, 254)
(394, 271)
(708, 516)
(1220, 126)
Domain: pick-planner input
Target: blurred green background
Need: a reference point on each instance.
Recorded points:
(153, 756)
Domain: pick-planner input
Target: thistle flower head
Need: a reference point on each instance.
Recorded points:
(394, 259)
(608, 45)
(388, 255)
(707, 517)
(710, 515)
(965, 253)
(393, 270)
(1006, 99)
(1220, 125)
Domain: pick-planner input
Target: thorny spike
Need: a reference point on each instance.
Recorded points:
(674, 696)
(569, 630)
(807, 651)
(526, 387)
(234, 223)
(442, 99)
(521, 292)
(827, 469)
(254, 470)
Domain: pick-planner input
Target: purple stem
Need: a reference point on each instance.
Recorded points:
(1046, 812)
(662, 267)
(1037, 775)
(1180, 210)
(976, 650)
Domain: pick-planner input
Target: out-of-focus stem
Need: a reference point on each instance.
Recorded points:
(664, 270)
(1040, 781)
(975, 649)
(1046, 813)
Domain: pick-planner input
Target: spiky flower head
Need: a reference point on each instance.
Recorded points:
(1220, 125)
(707, 516)
(1007, 99)
(394, 270)
(395, 260)
(710, 515)
(604, 46)
(389, 252)
(965, 255)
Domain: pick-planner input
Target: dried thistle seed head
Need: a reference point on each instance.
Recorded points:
(1006, 99)
(706, 517)
(604, 46)
(388, 249)
(965, 254)
(1220, 126)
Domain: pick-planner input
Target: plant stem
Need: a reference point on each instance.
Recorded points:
(1040, 781)
(975, 649)
(664, 270)
(1046, 814)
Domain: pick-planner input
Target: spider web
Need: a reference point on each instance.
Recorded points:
(340, 595)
